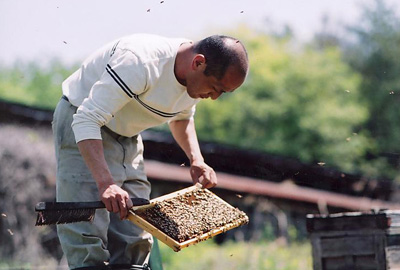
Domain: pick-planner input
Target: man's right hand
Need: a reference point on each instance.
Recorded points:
(116, 200)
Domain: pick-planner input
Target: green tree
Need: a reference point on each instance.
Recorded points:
(32, 84)
(374, 55)
(298, 102)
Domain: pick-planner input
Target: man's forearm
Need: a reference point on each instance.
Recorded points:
(114, 197)
(93, 154)
(185, 135)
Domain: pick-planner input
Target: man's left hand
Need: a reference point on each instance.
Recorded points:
(203, 174)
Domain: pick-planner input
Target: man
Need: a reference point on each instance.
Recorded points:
(130, 85)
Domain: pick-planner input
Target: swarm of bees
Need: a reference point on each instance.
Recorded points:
(192, 214)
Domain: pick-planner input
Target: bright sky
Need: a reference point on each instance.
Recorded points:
(71, 29)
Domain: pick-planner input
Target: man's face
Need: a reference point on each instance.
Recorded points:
(202, 86)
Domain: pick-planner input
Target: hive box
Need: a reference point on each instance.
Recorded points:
(355, 241)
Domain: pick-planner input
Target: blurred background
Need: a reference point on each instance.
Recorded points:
(319, 110)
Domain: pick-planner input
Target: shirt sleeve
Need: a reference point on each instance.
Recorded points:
(123, 78)
(184, 115)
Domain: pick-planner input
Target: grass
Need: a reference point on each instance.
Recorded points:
(210, 256)
(234, 255)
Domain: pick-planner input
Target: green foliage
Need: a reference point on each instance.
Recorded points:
(232, 255)
(31, 84)
(300, 103)
(375, 56)
(313, 103)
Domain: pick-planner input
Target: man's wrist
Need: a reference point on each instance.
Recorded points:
(103, 184)
(196, 159)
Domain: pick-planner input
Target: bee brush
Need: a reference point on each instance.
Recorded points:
(50, 213)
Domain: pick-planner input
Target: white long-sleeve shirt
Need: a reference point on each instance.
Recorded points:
(128, 85)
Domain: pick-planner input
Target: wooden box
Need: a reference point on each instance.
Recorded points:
(167, 239)
(355, 241)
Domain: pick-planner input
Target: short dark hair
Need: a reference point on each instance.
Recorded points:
(219, 55)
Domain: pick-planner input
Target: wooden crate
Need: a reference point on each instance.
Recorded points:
(166, 239)
(355, 241)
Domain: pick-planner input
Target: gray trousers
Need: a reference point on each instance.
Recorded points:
(107, 239)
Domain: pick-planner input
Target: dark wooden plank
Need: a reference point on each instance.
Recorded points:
(350, 245)
(338, 263)
(316, 252)
(350, 221)
(344, 222)
(380, 256)
(368, 262)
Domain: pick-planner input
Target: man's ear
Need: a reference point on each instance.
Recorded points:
(199, 61)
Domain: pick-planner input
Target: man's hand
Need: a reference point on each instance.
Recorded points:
(184, 133)
(203, 174)
(116, 200)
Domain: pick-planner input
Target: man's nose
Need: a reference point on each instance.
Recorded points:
(215, 95)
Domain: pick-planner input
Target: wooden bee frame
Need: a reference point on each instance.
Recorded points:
(166, 239)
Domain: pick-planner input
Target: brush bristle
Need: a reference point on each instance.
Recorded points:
(50, 217)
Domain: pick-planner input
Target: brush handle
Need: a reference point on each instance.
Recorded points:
(43, 206)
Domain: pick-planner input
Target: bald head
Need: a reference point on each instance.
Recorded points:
(222, 52)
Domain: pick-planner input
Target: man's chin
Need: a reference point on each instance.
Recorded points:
(194, 96)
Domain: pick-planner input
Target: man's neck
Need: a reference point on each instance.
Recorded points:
(183, 61)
